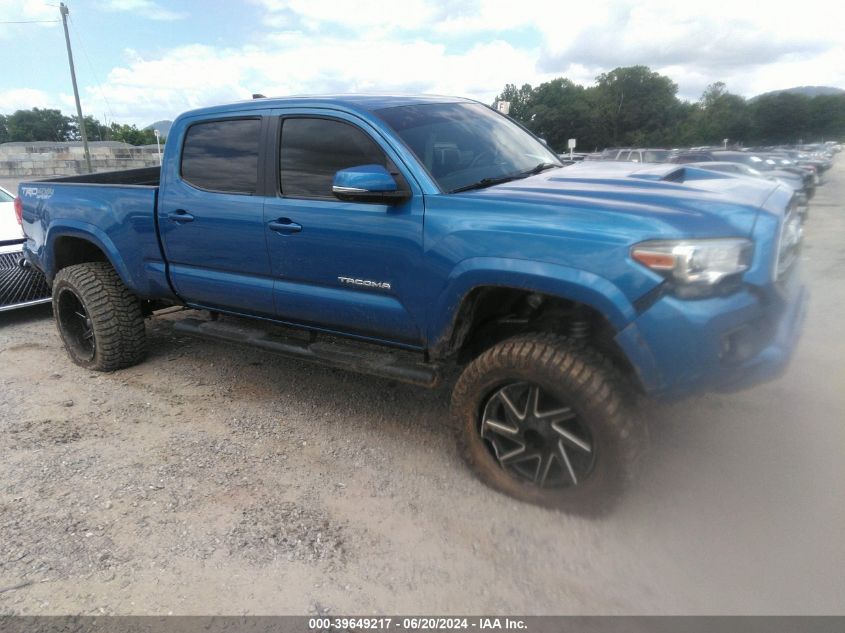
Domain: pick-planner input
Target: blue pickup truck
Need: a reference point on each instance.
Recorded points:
(417, 238)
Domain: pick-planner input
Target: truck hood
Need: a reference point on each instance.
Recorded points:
(694, 201)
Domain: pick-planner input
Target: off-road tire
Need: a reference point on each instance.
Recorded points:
(575, 374)
(115, 317)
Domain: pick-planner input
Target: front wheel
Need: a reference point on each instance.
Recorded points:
(100, 321)
(544, 420)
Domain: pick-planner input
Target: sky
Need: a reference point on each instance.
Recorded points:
(139, 61)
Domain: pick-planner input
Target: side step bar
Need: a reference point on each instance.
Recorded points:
(364, 358)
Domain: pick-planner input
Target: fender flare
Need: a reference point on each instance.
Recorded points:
(552, 279)
(89, 233)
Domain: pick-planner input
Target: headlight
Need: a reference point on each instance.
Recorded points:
(695, 264)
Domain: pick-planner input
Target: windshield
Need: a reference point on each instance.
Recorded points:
(757, 163)
(656, 155)
(465, 143)
(5, 197)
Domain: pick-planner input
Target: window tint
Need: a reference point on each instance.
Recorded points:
(313, 150)
(222, 155)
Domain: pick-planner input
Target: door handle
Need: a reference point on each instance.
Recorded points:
(180, 216)
(285, 226)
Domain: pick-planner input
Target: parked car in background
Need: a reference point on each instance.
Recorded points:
(819, 161)
(605, 154)
(20, 284)
(644, 155)
(752, 160)
(576, 157)
(793, 181)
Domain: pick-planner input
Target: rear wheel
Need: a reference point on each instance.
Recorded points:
(544, 420)
(100, 321)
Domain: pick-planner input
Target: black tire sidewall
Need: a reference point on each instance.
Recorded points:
(65, 285)
(116, 316)
(605, 419)
(60, 285)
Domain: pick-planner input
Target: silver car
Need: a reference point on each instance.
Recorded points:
(20, 284)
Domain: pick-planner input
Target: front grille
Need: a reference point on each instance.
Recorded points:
(19, 285)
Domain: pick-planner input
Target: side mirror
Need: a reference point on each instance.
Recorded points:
(367, 183)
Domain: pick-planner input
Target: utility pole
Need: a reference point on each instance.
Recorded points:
(64, 11)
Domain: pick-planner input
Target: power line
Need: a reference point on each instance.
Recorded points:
(31, 22)
(79, 39)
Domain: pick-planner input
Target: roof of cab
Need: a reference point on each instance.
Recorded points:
(350, 101)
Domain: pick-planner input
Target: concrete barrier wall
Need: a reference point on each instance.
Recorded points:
(37, 159)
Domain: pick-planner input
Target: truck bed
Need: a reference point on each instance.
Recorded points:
(113, 211)
(145, 176)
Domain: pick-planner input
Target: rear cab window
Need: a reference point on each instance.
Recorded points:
(222, 156)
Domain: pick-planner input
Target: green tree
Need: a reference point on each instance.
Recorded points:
(560, 110)
(722, 116)
(38, 125)
(685, 129)
(519, 99)
(94, 130)
(634, 105)
(781, 118)
(4, 130)
(132, 135)
(827, 118)
(637, 107)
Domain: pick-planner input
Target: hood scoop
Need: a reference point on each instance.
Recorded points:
(687, 174)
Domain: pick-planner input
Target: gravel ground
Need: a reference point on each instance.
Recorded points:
(217, 480)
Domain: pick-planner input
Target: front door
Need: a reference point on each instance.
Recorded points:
(349, 267)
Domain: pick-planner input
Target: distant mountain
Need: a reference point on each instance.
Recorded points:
(162, 126)
(809, 91)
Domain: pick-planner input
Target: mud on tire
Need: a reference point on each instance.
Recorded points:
(100, 321)
(533, 393)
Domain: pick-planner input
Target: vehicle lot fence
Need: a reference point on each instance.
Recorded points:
(42, 158)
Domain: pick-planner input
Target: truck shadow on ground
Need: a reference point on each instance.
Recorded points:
(26, 315)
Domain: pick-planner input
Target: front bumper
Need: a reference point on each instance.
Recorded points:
(21, 285)
(679, 347)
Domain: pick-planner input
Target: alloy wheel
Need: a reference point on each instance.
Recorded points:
(76, 324)
(536, 437)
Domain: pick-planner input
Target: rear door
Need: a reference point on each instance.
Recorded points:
(350, 267)
(211, 218)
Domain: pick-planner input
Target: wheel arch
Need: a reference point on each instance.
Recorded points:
(476, 309)
(72, 244)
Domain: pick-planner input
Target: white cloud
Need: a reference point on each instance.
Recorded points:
(143, 90)
(38, 14)
(144, 8)
(24, 99)
(383, 15)
(473, 48)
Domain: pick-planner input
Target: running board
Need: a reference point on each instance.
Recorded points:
(362, 358)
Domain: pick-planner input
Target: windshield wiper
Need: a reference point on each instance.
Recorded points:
(540, 168)
(489, 182)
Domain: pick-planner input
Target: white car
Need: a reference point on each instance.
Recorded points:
(20, 284)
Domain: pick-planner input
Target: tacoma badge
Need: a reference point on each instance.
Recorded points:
(383, 285)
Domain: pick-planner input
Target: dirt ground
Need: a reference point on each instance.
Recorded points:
(217, 480)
